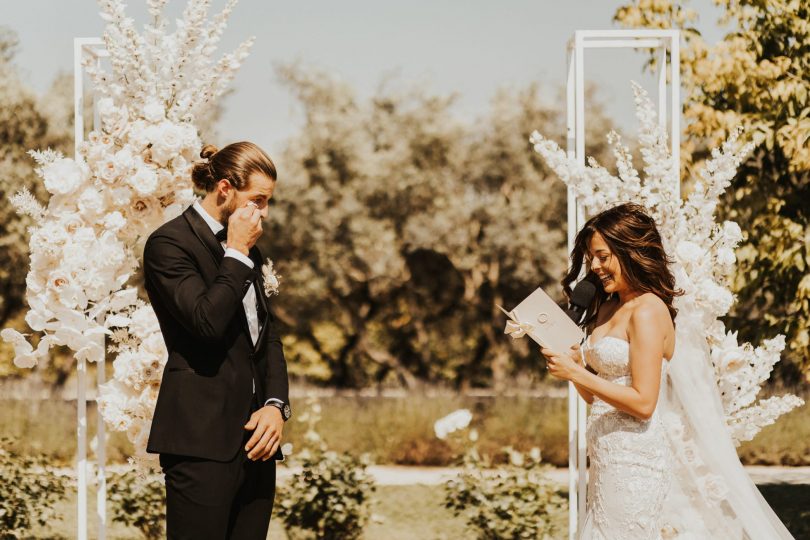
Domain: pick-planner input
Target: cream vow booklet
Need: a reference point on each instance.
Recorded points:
(540, 318)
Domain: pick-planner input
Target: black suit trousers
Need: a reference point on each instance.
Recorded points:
(215, 500)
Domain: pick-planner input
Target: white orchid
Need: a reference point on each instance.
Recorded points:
(703, 250)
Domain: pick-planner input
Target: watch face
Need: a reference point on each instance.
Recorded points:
(286, 412)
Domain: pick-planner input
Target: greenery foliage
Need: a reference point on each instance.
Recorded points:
(330, 497)
(516, 500)
(138, 501)
(28, 493)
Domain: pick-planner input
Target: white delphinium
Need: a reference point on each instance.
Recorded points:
(703, 250)
(131, 175)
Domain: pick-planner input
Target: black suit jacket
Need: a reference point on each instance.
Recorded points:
(207, 388)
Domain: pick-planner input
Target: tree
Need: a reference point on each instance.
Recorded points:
(755, 77)
(26, 122)
(399, 228)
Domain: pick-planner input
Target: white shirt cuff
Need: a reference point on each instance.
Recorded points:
(273, 400)
(239, 256)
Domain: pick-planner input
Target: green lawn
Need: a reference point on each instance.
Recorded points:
(399, 430)
(400, 513)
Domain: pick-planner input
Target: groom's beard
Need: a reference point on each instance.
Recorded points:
(230, 208)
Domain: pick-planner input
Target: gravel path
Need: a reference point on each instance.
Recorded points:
(404, 476)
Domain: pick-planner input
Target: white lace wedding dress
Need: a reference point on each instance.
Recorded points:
(630, 459)
(676, 475)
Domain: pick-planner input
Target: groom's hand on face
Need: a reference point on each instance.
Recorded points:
(244, 227)
(267, 426)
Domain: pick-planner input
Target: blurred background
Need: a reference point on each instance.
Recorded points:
(410, 202)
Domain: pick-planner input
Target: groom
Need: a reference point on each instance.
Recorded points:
(223, 399)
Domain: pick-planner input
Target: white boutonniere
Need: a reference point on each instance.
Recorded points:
(271, 280)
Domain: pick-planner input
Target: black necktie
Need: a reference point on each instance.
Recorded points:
(222, 235)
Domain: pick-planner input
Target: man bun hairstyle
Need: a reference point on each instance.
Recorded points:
(235, 163)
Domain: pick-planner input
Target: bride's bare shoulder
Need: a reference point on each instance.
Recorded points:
(650, 309)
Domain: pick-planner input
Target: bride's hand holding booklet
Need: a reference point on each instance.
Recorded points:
(540, 318)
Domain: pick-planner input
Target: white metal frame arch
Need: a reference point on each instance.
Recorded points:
(662, 41)
(88, 48)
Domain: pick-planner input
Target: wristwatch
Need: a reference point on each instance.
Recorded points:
(286, 411)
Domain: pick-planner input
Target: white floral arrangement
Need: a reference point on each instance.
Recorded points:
(703, 250)
(131, 175)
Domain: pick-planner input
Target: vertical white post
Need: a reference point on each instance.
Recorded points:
(101, 452)
(662, 87)
(579, 409)
(675, 85)
(101, 434)
(573, 467)
(81, 367)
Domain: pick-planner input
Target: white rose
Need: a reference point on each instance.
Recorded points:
(108, 170)
(153, 111)
(114, 221)
(121, 195)
(719, 298)
(111, 252)
(91, 201)
(63, 176)
(167, 141)
(124, 160)
(144, 181)
(688, 252)
(726, 257)
(144, 322)
(154, 345)
(107, 111)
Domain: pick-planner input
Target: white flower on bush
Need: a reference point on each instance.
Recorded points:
(454, 421)
(63, 176)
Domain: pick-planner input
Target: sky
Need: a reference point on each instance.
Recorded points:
(470, 48)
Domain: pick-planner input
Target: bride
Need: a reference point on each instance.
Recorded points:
(662, 464)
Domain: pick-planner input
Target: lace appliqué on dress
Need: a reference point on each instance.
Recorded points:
(630, 459)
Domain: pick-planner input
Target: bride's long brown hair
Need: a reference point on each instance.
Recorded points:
(632, 236)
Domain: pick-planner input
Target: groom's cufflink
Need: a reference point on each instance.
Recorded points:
(286, 411)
